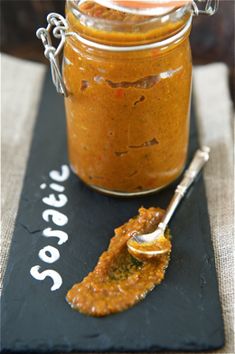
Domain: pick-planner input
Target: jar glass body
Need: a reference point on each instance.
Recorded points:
(127, 111)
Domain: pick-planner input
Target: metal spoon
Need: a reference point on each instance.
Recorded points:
(155, 243)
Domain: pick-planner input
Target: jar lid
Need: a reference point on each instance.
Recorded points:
(144, 7)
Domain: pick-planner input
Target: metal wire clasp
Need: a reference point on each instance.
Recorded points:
(51, 53)
(210, 9)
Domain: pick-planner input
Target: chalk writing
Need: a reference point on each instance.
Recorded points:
(50, 254)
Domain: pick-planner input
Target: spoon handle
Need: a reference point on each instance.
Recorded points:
(200, 158)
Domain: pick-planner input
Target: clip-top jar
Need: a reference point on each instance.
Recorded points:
(127, 86)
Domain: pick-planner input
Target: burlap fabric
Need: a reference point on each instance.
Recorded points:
(21, 88)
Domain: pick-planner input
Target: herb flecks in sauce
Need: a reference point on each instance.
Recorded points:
(119, 280)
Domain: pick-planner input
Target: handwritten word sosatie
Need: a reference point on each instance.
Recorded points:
(55, 200)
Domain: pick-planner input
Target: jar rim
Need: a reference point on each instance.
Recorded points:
(112, 48)
(151, 10)
(174, 13)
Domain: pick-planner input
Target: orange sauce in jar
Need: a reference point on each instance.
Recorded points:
(127, 110)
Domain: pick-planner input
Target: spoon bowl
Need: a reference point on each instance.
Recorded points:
(147, 250)
(155, 243)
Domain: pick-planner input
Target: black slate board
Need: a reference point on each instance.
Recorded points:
(183, 313)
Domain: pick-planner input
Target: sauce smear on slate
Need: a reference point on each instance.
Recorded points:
(119, 280)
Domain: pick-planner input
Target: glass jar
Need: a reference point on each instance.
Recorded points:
(127, 86)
